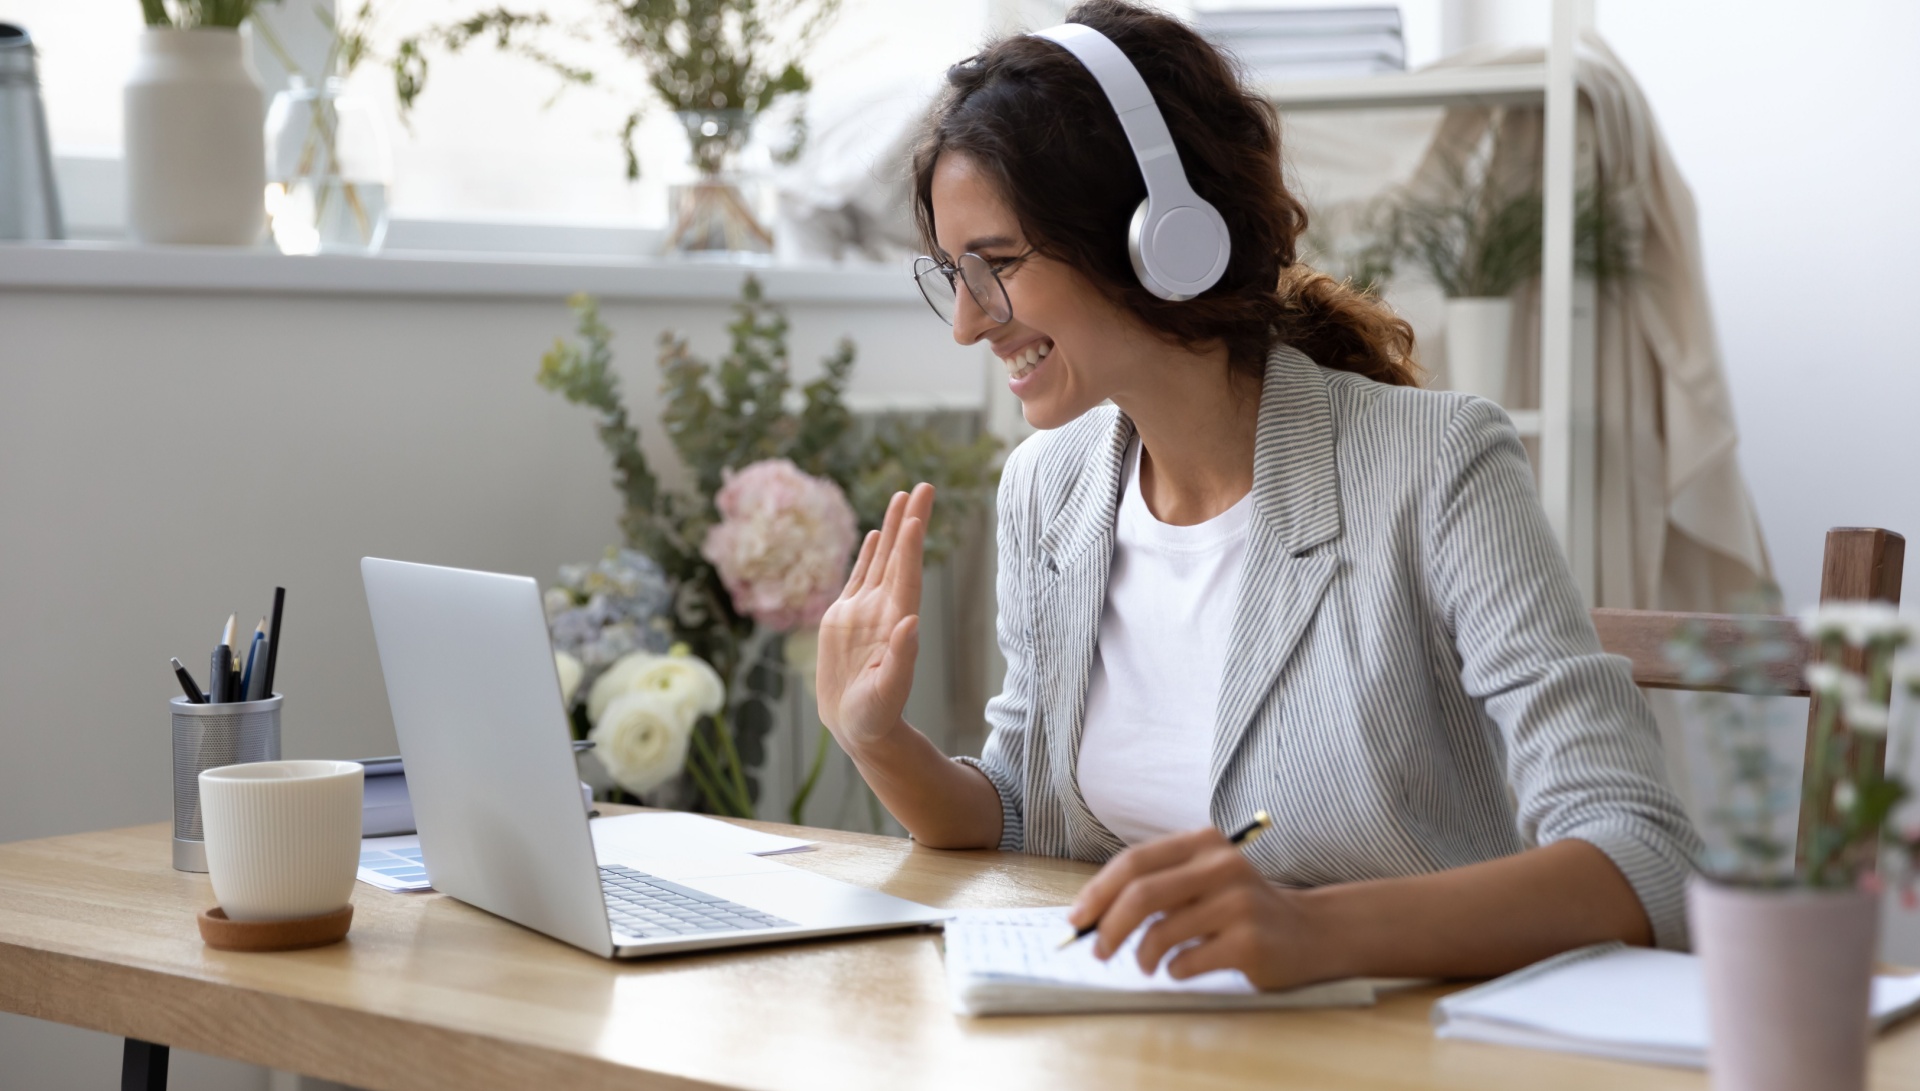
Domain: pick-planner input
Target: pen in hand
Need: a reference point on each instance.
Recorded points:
(1243, 836)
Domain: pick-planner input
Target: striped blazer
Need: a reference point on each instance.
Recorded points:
(1413, 682)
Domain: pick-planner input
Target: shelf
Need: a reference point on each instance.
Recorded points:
(82, 266)
(1526, 422)
(1517, 83)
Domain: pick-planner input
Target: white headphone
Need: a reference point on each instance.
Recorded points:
(1178, 242)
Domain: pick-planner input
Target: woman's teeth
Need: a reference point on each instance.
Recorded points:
(1022, 363)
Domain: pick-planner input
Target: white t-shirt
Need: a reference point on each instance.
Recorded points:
(1155, 686)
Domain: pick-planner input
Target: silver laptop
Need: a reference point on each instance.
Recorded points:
(496, 794)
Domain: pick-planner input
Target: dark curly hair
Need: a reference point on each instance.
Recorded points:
(1028, 114)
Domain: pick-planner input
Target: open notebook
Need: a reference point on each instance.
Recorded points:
(1627, 1003)
(1008, 962)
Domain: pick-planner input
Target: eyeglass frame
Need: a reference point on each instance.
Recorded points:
(951, 270)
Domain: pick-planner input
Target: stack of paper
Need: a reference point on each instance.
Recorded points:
(1009, 962)
(1626, 1003)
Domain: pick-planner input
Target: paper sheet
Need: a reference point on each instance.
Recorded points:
(1009, 962)
(673, 833)
(393, 863)
(1024, 945)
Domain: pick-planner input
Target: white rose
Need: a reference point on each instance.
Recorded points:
(1866, 717)
(570, 671)
(1824, 679)
(642, 739)
(614, 681)
(684, 679)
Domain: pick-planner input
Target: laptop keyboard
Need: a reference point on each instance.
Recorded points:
(650, 907)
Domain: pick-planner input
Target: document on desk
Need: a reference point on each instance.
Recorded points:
(659, 834)
(393, 863)
(1610, 1000)
(1009, 962)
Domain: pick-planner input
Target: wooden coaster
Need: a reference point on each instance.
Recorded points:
(222, 934)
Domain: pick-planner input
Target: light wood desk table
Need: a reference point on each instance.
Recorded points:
(97, 930)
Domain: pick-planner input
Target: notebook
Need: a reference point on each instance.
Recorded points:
(1009, 962)
(1609, 1000)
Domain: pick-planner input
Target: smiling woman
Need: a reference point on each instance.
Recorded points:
(1246, 565)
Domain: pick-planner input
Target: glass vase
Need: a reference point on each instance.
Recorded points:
(328, 169)
(715, 215)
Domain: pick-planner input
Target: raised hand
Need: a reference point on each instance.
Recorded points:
(870, 636)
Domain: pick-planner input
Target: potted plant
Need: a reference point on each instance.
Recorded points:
(717, 64)
(1788, 938)
(1478, 242)
(196, 161)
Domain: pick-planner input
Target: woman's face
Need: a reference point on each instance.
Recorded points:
(1066, 347)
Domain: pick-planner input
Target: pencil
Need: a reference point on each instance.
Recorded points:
(1243, 836)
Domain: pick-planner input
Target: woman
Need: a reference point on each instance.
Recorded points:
(1272, 574)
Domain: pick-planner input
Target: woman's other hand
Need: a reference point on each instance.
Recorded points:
(870, 636)
(1209, 894)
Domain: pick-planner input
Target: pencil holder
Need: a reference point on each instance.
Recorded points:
(207, 737)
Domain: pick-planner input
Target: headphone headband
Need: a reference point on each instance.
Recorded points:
(1178, 242)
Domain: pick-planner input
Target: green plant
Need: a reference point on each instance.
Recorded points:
(193, 14)
(704, 59)
(722, 416)
(1847, 793)
(1475, 241)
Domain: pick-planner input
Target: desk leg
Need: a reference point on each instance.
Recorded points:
(143, 1066)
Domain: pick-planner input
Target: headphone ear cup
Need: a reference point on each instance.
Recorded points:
(1136, 243)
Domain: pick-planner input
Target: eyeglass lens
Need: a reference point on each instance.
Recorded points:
(936, 284)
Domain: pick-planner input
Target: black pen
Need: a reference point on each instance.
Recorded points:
(1242, 836)
(219, 675)
(187, 684)
(273, 641)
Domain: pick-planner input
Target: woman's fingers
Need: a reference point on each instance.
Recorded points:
(868, 547)
(905, 572)
(889, 530)
(1165, 852)
(1202, 919)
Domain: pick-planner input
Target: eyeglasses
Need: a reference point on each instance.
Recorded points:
(982, 277)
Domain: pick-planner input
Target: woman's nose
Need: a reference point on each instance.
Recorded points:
(970, 323)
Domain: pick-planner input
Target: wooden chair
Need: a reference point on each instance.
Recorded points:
(1860, 563)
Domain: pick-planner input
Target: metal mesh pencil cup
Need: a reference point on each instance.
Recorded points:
(207, 737)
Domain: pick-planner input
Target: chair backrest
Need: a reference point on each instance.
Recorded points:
(1861, 563)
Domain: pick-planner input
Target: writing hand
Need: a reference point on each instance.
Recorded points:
(1207, 893)
(870, 636)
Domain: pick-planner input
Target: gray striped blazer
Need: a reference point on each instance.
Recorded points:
(1413, 683)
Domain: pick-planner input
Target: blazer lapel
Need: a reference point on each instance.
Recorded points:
(1296, 507)
(1076, 555)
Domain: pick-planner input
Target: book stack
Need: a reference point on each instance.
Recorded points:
(1275, 44)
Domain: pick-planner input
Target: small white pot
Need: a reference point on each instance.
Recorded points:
(1478, 332)
(1789, 975)
(196, 149)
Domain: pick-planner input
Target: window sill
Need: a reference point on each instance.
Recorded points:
(98, 266)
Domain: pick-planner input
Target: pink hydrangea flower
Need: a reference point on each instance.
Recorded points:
(783, 543)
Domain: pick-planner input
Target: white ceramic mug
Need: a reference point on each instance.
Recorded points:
(282, 837)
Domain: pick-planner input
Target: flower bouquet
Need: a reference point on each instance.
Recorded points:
(1788, 933)
(782, 482)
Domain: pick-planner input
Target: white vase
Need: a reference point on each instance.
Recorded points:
(196, 150)
(1478, 332)
(1788, 976)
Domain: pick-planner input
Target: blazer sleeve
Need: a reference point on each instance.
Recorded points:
(1583, 755)
(1010, 714)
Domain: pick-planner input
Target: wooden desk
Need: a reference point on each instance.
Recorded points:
(97, 930)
